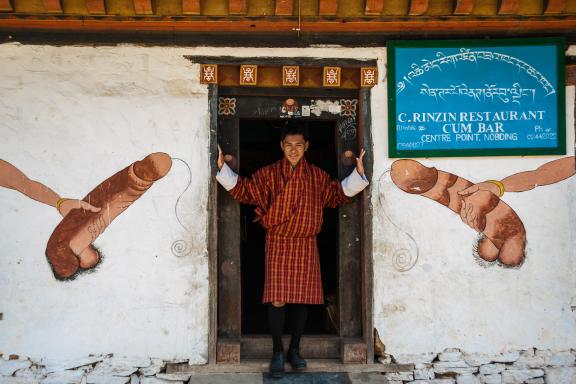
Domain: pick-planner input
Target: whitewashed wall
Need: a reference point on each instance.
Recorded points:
(72, 116)
(446, 300)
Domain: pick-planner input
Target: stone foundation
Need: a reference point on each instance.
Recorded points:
(452, 366)
(103, 369)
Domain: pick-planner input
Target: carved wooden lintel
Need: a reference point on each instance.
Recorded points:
(208, 74)
(290, 75)
(331, 76)
(368, 76)
(248, 74)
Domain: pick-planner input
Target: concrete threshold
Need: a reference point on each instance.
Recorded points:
(314, 365)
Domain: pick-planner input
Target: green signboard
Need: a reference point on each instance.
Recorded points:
(476, 98)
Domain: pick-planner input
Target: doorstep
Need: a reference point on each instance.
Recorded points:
(259, 366)
(289, 378)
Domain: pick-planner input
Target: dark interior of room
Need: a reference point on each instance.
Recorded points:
(260, 146)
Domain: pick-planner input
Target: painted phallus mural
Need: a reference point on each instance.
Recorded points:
(69, 249)
(70, 246)
(479, 205)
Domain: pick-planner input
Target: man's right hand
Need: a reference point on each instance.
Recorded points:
(220, 158)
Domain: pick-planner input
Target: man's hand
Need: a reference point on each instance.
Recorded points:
(71, 204)
(475, 207)
(483, 186)
(359, 162)
(220, 158)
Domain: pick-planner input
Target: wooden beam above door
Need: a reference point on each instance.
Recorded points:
(328, 7)
(275, 76)
(191, 7)
(284, 7)
(464, 7)
(237, 7)
(96, 7)
(52, 6)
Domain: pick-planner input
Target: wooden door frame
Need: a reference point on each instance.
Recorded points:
(232, 352)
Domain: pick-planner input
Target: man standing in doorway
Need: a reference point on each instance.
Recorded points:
(289, 196)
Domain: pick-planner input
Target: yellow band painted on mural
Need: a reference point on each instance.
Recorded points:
(499, 185)
(59, 203)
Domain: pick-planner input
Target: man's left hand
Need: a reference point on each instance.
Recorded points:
(71, 204)
(359, 162)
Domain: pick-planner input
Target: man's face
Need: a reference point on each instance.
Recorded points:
(294, 147)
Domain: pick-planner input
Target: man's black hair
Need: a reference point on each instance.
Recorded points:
(293, 128)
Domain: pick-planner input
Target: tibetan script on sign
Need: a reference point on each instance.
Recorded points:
(476, 98)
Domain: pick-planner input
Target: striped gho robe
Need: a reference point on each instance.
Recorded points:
(289, 206)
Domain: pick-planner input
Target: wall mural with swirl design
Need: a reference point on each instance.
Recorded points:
(502, 236)
(70, 249)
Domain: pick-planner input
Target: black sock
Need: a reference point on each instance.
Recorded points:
(298, 316)
(276, 325)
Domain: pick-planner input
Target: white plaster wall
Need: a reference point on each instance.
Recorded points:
(76, 115)
(446, 300)
(72, 117)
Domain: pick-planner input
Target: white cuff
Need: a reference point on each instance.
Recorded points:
(227, 177)
(354, 183)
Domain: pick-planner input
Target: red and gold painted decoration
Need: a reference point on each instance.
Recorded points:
(248, 74)
(208, 73)
(331, 77)
(368, 76)
(290, 107)
(5, 6)
(290, 76)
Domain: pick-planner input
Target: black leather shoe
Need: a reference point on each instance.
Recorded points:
(277, 365)
(297, 362)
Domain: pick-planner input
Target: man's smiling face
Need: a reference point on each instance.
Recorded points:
(294, 147)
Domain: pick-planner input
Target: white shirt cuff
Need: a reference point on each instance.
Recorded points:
(227, 177)
(354, 183)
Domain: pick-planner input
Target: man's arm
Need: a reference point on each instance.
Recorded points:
(549, 173)
(247, 191)
(11, 177)
(336, 193)
(475, 196)
(356, 181)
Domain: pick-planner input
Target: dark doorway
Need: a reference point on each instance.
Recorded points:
(260, 146)
(248, 129)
